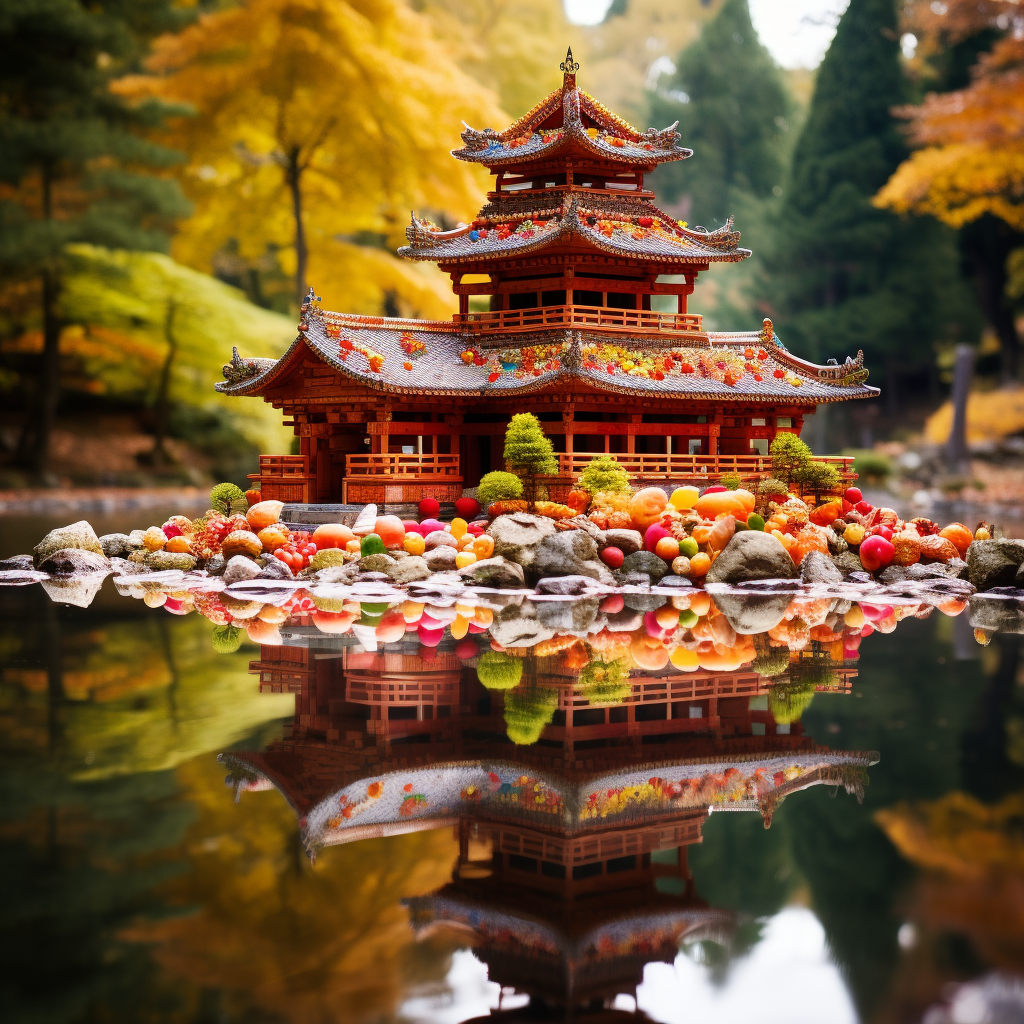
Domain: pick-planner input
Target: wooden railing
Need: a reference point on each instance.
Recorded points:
(396, 466)
(583, 316)
(650, 467)
(285, 478)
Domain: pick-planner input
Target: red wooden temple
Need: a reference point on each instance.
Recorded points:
(573, 292)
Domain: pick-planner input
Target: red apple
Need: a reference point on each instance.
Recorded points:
(876, 553)
(429, 507)
(654, 533)
(881, 531)
(613, 603)
(612, 557)
(467, 507)
(853, 495)
(846, 506)
(864, 507)
(466, 649)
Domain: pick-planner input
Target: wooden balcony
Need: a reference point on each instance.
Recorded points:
(285, 478)
(551, 317)
(397, 478)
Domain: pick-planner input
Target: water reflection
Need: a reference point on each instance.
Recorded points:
(485, 806)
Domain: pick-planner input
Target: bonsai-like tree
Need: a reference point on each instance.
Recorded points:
(603, 473)
(789, 456)
(819, 478)
(528, 452)
(498, 486)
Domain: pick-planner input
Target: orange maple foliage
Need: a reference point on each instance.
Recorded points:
(971, 156)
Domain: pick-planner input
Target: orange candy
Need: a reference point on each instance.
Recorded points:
(699, 565)
(721, 533)
(959, 535)
(827, 513)
(667, 548)
(331, 535)
(739, 503)
(273, 537)
(390, 530)
(647, 505)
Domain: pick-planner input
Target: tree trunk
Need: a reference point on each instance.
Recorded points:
(294, 176)
(985, 245)
(161, 405)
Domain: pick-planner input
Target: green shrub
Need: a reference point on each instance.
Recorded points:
(731, 481)
(871, 465)
(788, 701)
(498, 671)
(528, 452)
(228, 499)
(498, 486)
(527, 712)
(227, 639)
(605, 682)
(603, 473)
(819, 478)
(789, 455)
(772, 662)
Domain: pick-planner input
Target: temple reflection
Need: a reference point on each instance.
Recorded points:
(574, 803)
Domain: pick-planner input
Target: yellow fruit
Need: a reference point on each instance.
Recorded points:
(982, 534)
(464, 558)
(412, 610)
(459, 627)
(264, 514)
(483, 546)
(179, 545)
(667, 617)
(458, 528)
(414, 544)
(684, 498)
(684, 660)
(854, 534)
(854, 618)
(154, 599)
(273, 614)
(482, 617)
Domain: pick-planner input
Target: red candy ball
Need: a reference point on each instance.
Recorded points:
(853, 495)
(429, 507)
(876, 553)
(467, 507)
(612, 557)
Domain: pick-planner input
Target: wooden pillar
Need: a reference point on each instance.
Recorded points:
(568, 415)
(323, 469)
(630, 435)
(714, 429)
(463, 304)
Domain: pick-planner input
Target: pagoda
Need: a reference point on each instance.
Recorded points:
(572, 289)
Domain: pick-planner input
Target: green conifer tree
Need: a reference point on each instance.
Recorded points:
(733, 109)
(844, 275)
(528, 452)
(74, 157)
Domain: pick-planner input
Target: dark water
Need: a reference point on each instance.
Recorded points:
(381, 851)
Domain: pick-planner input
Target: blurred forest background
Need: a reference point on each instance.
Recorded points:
(173, 173)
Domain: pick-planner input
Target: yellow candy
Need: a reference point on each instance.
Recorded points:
(466, 610)
(459, 627)
(684, 498)
(464, 558)
(458, 528)
(414, 544)
(684, 660)
(854, 617)
(854, 534)
(483, 617)
(412, 610)
(667, 617)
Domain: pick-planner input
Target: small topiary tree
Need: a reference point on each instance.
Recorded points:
(528, 452)
(527, 711)
(603, 473)
(766, 489)
(228, 498)
(819, 478)
(788, 701)
(731, 481)
(498, 486)
(789, 455)
(498, 671)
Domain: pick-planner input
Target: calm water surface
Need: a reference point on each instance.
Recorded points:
(372, 847)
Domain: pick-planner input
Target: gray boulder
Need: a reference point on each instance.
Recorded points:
(495, 572)
(517, 625)
(440, 538)
(135, 539)
(78, 535)
(643, 602)
(627, 541)
(646, 562)
(216, 565)
(338, 573)
(72, 561)
(751, 614)
(567, 586)
(997, 613)
(80, 591)
(115, 545)
(848, 562)
(625, 621)
(752, 555)
(893, 574)
(517, 536)
(239, 569)
(819, 568)
(17, 563)
(375, 563)
(994, 563)
(564, 554)
(160, 561)
(275, 569)
(440, 559)
(408, 570)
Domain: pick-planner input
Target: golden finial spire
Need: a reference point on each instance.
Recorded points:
(569, 66)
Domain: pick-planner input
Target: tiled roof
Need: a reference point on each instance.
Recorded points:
(621, 225)
(570, 120)
(442, 360)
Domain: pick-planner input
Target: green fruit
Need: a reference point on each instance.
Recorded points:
(227, 639)
(687, 619)
(371, 544)
(688, 546)
(371, 612)
(755, 522)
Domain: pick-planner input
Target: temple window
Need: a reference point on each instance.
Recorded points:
(555, 298)
(759, 445)
(784, 421)
(585, 298)
(621, 300)
(522, 300)
(757, 421)
(693, 445)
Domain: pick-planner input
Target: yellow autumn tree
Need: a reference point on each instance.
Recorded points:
(970, 155)
(318, 124)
